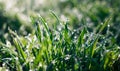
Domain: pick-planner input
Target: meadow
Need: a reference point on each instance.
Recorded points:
(59, 35)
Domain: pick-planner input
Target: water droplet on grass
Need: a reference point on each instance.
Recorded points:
(108, 25)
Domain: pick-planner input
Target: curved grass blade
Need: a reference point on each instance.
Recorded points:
(81, 37)
(93, 46)
(37, 28)
(56, 17)
(44, 23)
(92, 49)
(18, 45)
(105, 24)
(19, 49)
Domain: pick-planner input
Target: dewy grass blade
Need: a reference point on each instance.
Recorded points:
(36, 25)
(18, 45)
(105, 24)
(55, 16)
(46, 27)
(20, 50)
(66, 33)
(38, 58)
(44, 23)
(36, 61)
(93, 46)
(81, 37)
(38, 32)
(92, 49)
(58, 21)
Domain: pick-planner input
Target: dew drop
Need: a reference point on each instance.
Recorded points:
(108, 25)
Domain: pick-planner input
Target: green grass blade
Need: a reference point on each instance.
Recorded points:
(19, 49)
(93, 46)
(38, 59)
(44, 23)
(81, 37)
(92, 50)
(105, 24)
(66, 33)
(36, 24)
(18, 45)
(38, 32)
(55, 16)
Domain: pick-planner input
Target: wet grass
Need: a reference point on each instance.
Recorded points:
(59, 49)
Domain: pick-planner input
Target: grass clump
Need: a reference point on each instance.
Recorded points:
(59, 49)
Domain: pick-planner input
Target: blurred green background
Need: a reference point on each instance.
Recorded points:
(15, 14)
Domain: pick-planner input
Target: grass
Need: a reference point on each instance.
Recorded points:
(89, 40)
(59, 49)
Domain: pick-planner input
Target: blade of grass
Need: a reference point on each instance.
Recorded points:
(105, 24)
(56, 17)
(81, 38)
(38, 58)
(93, 46)
(38, 32)
(44, 23)
(18, 45)
(92, 49)
(36, 24)
(20, 50)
